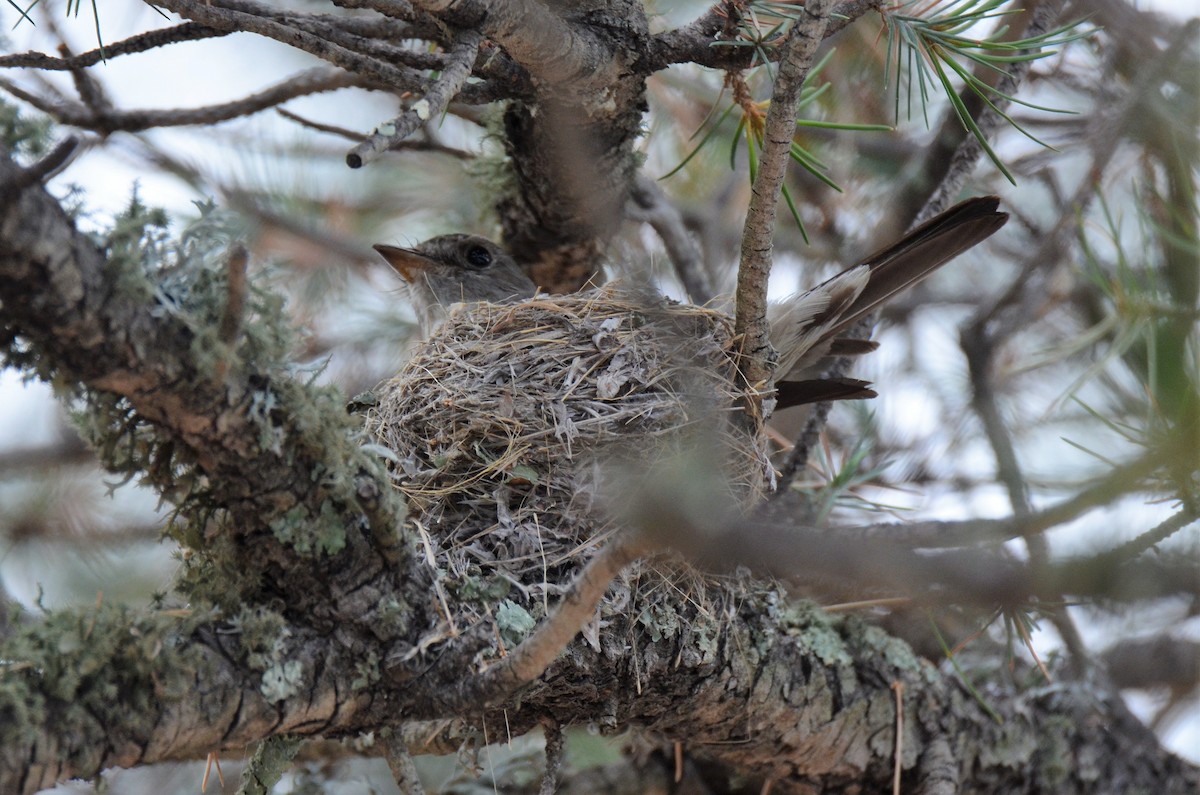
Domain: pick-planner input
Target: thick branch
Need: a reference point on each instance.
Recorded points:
(104, 688)
(554, 51)
(153, 376)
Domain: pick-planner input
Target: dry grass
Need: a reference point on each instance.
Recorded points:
(509, 422)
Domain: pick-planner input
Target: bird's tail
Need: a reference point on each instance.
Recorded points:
(805, 329)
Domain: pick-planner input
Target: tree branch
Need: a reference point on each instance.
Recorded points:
(757, 358)
(201, 435)
(142, 42)
(701, 40)
(313, 81)
(250, 17)
(553, 50)
(430, 106)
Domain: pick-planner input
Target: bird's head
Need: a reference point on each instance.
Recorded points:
(455, 268)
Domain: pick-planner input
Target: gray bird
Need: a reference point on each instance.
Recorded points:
(805, 328)
(456, 268)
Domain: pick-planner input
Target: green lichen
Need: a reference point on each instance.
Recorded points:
(1054, 754)
(262, 635)
(514, 622)
(392, 619)
(84, 671)
(660, 620)
(281, 682)
(474, 587)
(707, 640)
(323, 534)
(814, 631)
(870, 639)
(366, 672)
(271, 760)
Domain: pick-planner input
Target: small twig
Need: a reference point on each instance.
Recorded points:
(898, 689)
(395, 750)
(434, 100)
(93, 95)
(750, 323)
(251, 17)
(693, 42)
(188, 31)
(535, 653)
(353, 135)
(313, 81)
(554, 756)
(654, 208)
(797, 458)
(938, 534)
(395, 9)
(1154, 536)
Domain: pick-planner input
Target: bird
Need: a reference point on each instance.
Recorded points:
(805, 329)
(456, 268)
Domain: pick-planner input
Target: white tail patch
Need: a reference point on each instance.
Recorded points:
(799, 323)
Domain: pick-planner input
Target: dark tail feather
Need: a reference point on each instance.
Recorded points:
(924, 250)
(796, 393)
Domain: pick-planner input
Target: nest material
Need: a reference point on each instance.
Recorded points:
(506, 420)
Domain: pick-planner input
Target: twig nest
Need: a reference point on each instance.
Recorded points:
(508, 422)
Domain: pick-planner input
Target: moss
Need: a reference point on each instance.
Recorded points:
(83, 672)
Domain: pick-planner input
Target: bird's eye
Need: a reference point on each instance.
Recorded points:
(479, 257)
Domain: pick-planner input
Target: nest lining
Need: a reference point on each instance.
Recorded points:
(504, 420)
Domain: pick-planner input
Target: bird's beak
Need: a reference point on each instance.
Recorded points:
(408, 263)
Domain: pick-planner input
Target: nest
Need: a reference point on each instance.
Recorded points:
(506, 423)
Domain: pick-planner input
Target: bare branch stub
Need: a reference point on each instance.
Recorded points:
(429, 106)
